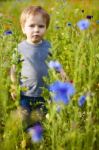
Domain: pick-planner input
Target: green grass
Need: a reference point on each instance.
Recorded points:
(74, 128)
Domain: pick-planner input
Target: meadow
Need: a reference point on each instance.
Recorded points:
(72, 121)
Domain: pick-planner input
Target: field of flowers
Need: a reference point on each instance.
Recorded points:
(72, 121)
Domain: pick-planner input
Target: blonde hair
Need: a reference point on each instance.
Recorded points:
(34, 10)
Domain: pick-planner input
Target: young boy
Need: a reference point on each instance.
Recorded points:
(34, 52)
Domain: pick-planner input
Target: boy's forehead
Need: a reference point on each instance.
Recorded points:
(36, 17)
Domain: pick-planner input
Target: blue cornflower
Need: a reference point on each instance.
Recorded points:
(7, 32)
(81, 100)
(55, 65)
(69, 24)
(97, 21)
(36, 133)
(83, 24)
(62, 91)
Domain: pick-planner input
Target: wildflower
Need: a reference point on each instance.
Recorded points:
(82, 11)
(81, 100)
(57, 27)
(62, 91)
(97, 21)
(69, 24)
(55, 65)
(89, 17)
(36, 133)
(83, 24)
(7, 32)
(71, 81)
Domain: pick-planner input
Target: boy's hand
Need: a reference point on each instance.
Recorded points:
(13, 95)
(13, 92)
(64, 75)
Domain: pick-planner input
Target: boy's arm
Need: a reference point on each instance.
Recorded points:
(64, 76)
(13, 74)
(13, 80)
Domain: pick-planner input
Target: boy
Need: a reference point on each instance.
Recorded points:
(34, 52)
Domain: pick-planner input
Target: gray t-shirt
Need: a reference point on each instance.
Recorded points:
(34, 67)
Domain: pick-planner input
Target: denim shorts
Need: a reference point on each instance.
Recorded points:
(32, 103)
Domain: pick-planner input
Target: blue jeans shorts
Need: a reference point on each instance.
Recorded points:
(32, 103)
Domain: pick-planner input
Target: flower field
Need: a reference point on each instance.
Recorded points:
(72, 120)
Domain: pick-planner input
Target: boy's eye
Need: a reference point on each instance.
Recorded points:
(41, 26)
(32, 25)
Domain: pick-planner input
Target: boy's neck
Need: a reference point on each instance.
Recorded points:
(34, 43)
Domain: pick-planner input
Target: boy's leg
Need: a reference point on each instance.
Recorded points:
(40, 105)
(32, 110)
(25, 111)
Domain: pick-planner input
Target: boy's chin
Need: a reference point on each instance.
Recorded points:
(36, 41)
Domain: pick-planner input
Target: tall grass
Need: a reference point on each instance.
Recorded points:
(72, 127)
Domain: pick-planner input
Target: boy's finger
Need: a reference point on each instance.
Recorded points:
(13, 95)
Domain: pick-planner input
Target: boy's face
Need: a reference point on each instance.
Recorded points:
(34, 28)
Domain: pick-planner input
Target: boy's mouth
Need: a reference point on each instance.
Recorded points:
(36, 36)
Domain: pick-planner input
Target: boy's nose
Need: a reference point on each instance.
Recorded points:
(36, 29)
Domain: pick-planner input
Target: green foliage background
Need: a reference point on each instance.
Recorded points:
(74, 128)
